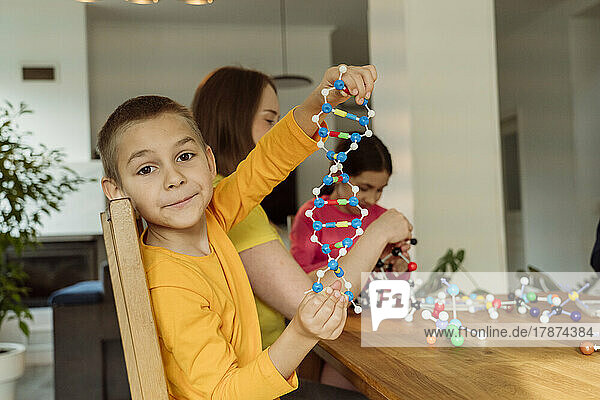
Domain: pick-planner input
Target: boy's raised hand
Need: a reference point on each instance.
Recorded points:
(322, 315)
(360, 82)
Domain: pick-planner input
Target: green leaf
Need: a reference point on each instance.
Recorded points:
(24, 328)
(460, 255)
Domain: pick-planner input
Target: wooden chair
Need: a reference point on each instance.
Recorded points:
(132, 300)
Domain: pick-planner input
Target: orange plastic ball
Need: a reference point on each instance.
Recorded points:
(431, 339)
(586, 348)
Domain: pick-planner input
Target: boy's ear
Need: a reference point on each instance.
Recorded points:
(210, 158)
(111, 189)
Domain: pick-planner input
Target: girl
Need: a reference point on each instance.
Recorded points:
(369, 168)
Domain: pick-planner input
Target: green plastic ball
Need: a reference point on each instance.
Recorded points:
(457, 340)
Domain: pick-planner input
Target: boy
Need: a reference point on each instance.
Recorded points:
(202, 302)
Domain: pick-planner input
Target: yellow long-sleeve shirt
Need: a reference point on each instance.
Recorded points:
(203, 306)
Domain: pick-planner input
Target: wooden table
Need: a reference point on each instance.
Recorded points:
(462, 373)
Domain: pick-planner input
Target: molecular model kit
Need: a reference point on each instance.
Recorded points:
(521, 299)
(441, 317)
(336, 174)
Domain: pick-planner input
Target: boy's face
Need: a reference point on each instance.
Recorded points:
(165, 171)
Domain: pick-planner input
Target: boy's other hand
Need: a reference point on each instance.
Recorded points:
(322, 315)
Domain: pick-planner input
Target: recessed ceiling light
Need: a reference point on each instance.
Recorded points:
(198, 2)
(142, 1)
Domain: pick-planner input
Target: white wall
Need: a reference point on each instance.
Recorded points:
(438, 94)
(53, 32)
(131, 58)
(536, 79)
(584, 47)
(48, 33)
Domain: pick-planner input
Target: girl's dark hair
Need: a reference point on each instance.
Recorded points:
(371, 155)
(224, 107)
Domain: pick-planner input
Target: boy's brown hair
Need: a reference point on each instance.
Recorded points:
(224, 107)
(136, 110)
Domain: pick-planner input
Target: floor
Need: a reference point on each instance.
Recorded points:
(37, 383)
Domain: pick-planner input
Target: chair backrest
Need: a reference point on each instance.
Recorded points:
(132, 300)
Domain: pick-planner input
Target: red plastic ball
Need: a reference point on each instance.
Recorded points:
(496, 303)
(435, 313)
(412, 266)
(438, 307)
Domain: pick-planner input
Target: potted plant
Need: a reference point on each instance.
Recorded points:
(447, 264)
(33, 181)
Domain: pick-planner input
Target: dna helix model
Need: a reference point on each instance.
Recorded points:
(336, 174)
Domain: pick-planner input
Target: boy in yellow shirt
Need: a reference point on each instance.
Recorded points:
(202, 302)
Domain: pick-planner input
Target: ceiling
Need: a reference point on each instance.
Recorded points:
(349, 17)
(250, 12)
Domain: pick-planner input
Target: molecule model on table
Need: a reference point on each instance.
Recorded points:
(441, 317)
(558, 305)
(519, 299)
(336, 174)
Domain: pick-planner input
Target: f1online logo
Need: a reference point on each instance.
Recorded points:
(390, 299)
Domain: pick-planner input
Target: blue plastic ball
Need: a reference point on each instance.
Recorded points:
(338, 84)
(319, 202)
(355, 137)
(353, 201)
(341, 156)
(326, 249)
(356, 223)
(455, 322)
(473, 296)
(345, 178)
(328, 180)
(339, 273)
(317, 287)
(429, 300)
(330, 154)
(326, 108)
(323, 132)
(452, 290)
(575, 316)
(364, 121)
(347, 242)
(317, 225)
(332, 264)
(349, 294)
